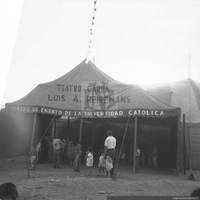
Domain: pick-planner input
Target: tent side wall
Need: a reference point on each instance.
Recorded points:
(193, 138)
(16, 131)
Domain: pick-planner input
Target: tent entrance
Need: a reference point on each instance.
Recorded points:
(160, 131)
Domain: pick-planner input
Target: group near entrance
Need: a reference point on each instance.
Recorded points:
(62, 152)
(87, 117)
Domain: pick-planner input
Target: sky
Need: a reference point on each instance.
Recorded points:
(140, 42)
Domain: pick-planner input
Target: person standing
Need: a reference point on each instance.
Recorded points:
(137, 158)
(72, 153)
(109, 165)
(78, 153)
(63, 152)
(155, 156)
(44, 149)
(34, 155)
(150, 153)
(89, 160)
(109, 148)
(101, 164)
(57, 144)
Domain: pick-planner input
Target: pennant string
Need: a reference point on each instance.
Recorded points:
(91, 31)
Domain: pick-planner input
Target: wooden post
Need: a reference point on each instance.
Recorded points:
(52, 130)
(134, 146)
(184, 147)
(93, 134)
(189, 148)
(80, 131)
(68, 123)
(178, 146)
(55, 127)
(34, 126)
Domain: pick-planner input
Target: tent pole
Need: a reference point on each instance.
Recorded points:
(52, 131)
(34, 126)
(93, 133)
(68, 122)
(80, 131)
(134, 146)
(54, 128)
(189, 148)
(178, 147)
(184, 146)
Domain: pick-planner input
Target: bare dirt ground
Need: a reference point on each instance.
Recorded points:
(49, 183)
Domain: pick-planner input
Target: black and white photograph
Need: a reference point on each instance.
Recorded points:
(99, 99)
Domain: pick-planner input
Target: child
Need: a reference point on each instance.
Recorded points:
(34, 155)
(89, 159)
(101, 164)
(109, 164)
(137, 158)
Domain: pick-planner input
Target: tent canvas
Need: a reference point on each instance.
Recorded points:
(186, 95)
(88, 92)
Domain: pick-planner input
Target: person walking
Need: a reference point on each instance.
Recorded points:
(109, 148)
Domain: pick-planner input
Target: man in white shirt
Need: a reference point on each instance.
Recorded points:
(109, 148)
(57, 144)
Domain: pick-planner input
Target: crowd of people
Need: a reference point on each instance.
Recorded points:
(64, 151)
(61, 151)
(147, 154)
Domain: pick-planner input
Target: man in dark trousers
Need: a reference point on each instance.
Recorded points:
(109, 148)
